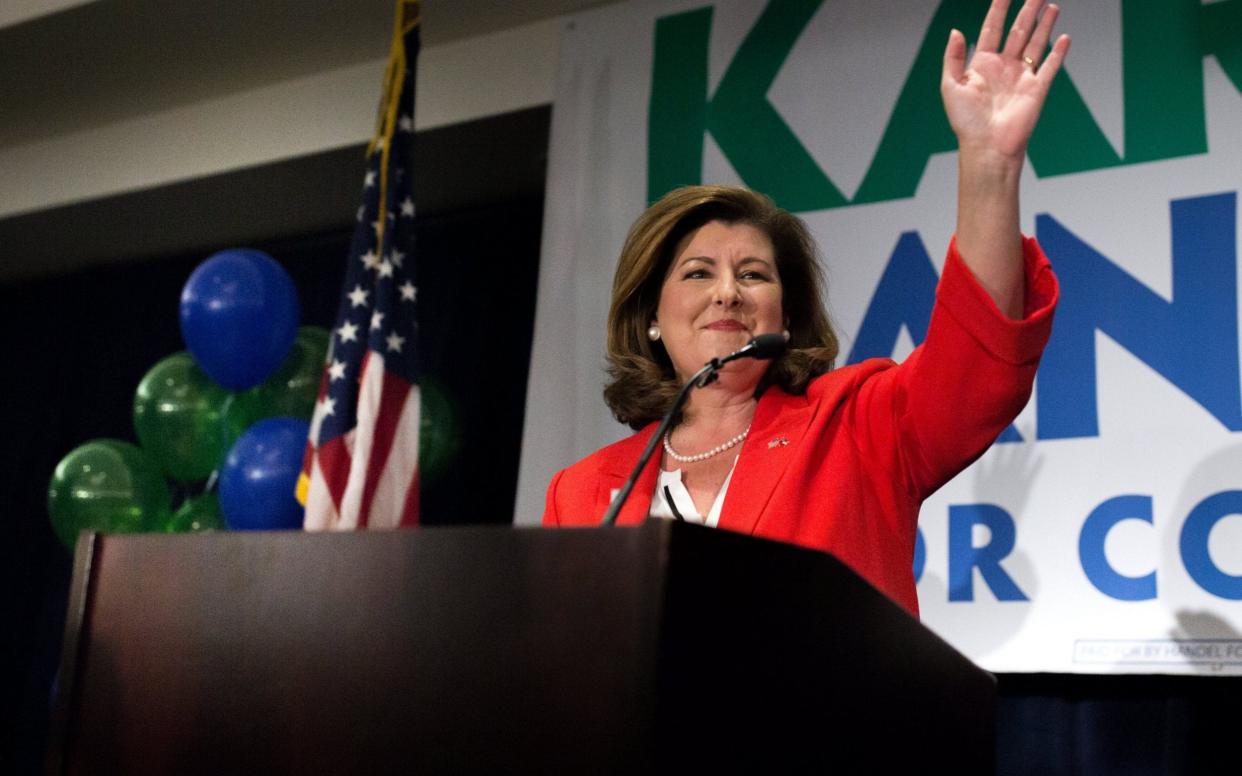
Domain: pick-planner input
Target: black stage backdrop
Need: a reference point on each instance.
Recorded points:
(75, 346)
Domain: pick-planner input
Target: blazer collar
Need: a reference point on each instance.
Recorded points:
(780, 422)
(617, 470)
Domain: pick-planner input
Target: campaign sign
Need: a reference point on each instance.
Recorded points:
(1102, 532)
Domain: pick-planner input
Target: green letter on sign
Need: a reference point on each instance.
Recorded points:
(1219, 33)
(1163, 79)
(918, 127)
(677, 116)
(750, 133)
(1163, 41)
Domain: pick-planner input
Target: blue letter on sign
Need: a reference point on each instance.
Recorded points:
(904, 297)
(1194, 544)
(1192, 340)
(920, 555)
(964, 557)
(1091, 549)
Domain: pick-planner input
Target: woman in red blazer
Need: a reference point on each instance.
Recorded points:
(838, 460)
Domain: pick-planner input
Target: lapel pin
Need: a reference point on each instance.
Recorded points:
(777, 442)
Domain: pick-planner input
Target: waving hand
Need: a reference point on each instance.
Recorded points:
(993, 105)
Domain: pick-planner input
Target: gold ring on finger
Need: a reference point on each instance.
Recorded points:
(1030, 62)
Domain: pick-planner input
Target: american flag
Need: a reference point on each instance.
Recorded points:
(361, 464)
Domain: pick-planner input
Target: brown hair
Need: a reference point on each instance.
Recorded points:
(642, 382)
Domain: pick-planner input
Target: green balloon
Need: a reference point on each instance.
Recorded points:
(181, 418)
(238, 415)
(294, 388)
(200, 513)
(106, 485)
(439, 433)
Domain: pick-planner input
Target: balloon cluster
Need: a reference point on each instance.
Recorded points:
(233, 411)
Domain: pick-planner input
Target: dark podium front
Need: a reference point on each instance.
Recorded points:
(664, 647)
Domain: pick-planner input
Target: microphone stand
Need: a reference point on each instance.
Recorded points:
(765, 346)
(707, 374)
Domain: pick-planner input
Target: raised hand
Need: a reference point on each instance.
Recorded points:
(992, 106)
(994, 103)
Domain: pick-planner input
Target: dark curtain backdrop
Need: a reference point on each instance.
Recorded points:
(74, 348)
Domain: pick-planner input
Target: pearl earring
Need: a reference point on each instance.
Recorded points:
(786, 334)
(653, 332)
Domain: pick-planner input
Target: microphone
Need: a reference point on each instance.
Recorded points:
(764, 347)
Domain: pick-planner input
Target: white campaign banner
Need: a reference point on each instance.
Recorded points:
(1103, 531)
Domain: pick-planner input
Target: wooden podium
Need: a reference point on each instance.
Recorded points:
(445, 650)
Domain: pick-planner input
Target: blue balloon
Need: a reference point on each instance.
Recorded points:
(259, 476)
(239, 316)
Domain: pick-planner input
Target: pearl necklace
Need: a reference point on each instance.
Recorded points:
(717, 450)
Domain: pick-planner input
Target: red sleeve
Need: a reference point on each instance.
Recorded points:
(939, 410)
(551, 519)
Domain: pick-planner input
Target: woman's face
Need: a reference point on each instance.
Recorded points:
(721, 290)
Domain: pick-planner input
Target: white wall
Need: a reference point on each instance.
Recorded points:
(458, 81)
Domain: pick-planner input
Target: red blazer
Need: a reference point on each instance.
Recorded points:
(846, 467)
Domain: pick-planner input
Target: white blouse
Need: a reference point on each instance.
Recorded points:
(682, 500)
